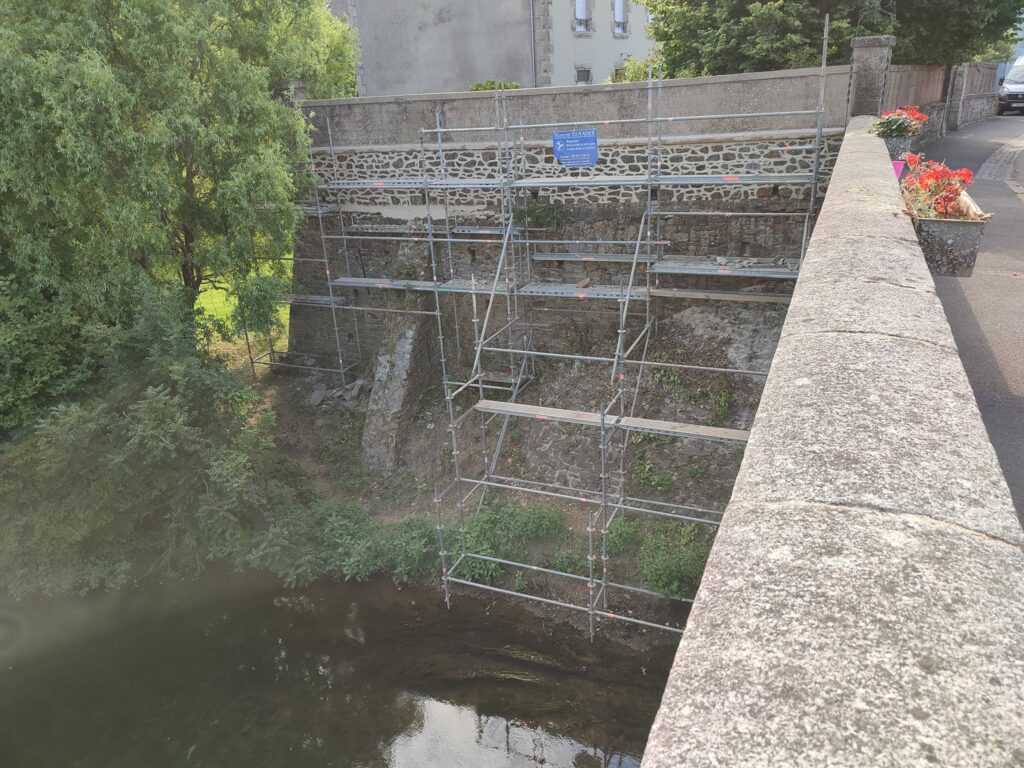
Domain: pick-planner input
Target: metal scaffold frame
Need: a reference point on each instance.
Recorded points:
(512, 291)
(292, 359)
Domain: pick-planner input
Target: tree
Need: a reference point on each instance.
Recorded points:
(636, 70)
(169, 469)
(711, 37)
(146, 158)
(143, 142)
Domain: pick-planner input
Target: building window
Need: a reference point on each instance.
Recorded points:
(582, 20)
(584, 75)
(619, 10)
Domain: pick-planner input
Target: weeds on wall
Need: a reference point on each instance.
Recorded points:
(543, 215)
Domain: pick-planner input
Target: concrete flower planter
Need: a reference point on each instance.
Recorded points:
(898, 145)
(951, 245)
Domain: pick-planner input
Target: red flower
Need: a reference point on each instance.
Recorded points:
(933, 189)
(912, 159)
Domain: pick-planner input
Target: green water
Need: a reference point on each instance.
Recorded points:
(233, 674)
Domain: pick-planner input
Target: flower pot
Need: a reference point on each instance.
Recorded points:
(898, 145)
(951, 245)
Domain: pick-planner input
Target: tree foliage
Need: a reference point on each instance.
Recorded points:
(143, 142)
(147, 156)
(170, 467)
(636, 70)
(712, 37)
(493, 85)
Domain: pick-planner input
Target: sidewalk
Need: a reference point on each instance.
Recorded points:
(986, 310)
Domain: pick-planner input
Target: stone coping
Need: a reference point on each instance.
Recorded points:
(863, 604)
(518, 93)
(741, 137)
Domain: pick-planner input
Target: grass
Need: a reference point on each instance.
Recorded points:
(507, 530)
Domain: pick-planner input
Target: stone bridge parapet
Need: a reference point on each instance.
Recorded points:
(864, 600)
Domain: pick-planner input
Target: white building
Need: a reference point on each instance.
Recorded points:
(424, 46)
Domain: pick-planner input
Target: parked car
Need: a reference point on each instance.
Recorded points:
(1011, 89)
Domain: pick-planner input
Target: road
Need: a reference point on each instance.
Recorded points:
(986, 311)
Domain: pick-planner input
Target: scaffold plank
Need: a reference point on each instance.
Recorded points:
(670, 266)
(383, 283)
(483, 287)
(314, 300)
(664, 181)
(689, 293)
(571, 290)
(636, 424)
(466, 230)
(612, 258)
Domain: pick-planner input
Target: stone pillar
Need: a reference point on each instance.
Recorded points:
(871, 59)
(542, 44)
(955, 102)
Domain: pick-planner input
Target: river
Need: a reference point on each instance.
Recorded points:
(234, 671)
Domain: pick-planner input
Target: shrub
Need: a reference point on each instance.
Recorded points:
(673, 556)
(411, 545)
(571, 559)
(493, 85)
(506, 530)
(624, 535)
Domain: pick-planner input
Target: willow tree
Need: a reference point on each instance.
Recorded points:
(144, 142)
(147, 155)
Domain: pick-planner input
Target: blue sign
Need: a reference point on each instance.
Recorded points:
(575, 149)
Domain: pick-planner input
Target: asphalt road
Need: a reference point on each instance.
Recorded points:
(986, 310)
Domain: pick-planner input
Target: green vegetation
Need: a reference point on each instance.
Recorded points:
(722, 400)
(170, 467)
(645, 475)
(342, 540)
(507, 530)
(636, 70)
(571, 559)
(714, 37)
(624, 535)
(493, 85)
(538, 214)
(673, 555)
(144, 146)
(670, 378)
(147, 190)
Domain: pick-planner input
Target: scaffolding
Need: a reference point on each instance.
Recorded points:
(292, 358)
(502, 323)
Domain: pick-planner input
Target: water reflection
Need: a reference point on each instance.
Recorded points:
(458, 737)
(339, 676)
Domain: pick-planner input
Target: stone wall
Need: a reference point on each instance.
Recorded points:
(717, 155)
(912, 84)
(973, 95)
(862, 604)
(391, 121)
(592, 213)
